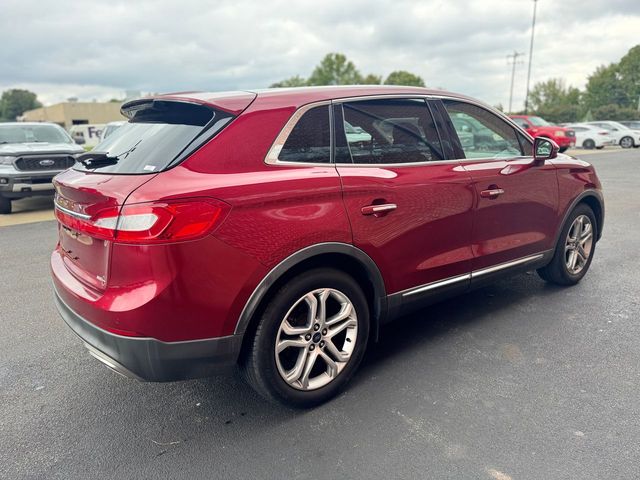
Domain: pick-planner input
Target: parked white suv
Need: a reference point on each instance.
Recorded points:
(31, 154)
(624, 136)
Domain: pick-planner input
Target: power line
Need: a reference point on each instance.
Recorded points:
(512, 59)
(533, 28)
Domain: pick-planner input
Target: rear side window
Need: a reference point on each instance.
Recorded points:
(386, 131)
(482, 134)
(310, 139)
(158, 135)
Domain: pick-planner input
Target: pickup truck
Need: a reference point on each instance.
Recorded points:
(31, 154)
(539, 127)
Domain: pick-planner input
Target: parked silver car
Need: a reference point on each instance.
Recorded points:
(31, 154)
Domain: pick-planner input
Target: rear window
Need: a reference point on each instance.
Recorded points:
(158, 135)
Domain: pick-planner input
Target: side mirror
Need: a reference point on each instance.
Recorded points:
(544, 149)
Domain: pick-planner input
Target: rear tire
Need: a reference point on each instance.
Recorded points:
(575, 248)
(5, 205)
(294, 357)
(589, 144)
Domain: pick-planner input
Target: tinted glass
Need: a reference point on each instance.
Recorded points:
(310, 139)
(158, 134)
(482, 134)
(388, 131)
(539, 122)
(521, 122)
(33, 133)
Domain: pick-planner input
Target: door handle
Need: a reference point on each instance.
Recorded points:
(492, 193)
(378, 209)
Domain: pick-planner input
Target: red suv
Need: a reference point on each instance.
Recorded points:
(539, 127)
(255, 229)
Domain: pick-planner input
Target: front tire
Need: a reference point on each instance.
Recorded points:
(310, 339)
(575, 248)
(626, 142)
(5, 205)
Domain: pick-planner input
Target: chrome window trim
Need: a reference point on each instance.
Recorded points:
(470, 276)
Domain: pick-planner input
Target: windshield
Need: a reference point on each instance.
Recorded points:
(33, 133)
(158, 135)
(539, 122)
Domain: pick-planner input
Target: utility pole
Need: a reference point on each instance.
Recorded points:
(512, 59)
(533, 28)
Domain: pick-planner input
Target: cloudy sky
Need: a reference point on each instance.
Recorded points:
(98, 50)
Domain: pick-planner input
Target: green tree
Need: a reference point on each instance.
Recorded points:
(372, 79)
(15, 102)
(554, 101)
(296, 81)
(603, 88)
(615, 112)
(402, 77)
(335, 69)
(629, 77)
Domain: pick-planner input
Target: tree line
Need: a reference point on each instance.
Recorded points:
(335, 69)
(612, 92)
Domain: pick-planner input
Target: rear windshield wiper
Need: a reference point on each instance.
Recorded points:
(93, 160)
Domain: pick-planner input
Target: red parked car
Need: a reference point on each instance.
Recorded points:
(539, 127)
(252, 229)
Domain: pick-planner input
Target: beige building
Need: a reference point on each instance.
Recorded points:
(67, 114)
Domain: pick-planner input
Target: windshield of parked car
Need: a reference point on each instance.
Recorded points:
(33, 133)
(539, 122)
(158, 135)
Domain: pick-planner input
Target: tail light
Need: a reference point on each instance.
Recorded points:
(151, 223)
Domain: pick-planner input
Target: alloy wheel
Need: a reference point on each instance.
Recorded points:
(626, 142)
(316, 339)
(579, 244)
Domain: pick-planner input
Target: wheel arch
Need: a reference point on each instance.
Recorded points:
(340, 256)
(594, 200)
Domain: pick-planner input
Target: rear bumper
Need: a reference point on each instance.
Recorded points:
(152, 360)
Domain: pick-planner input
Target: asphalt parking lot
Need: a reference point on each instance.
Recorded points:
(520, 380)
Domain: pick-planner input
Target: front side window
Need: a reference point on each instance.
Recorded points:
(386, 131)
(483, 134)
(310, 138)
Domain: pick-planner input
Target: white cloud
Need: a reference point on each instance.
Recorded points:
(99, 49)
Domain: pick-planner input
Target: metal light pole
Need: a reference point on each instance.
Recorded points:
(514, 56)
(533, 28)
